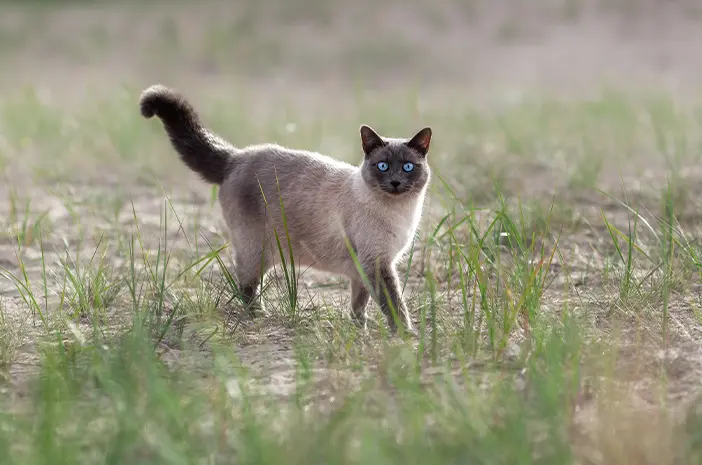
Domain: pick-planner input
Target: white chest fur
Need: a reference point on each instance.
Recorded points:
(386, 226)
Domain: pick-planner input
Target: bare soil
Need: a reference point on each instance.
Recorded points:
(491, 51)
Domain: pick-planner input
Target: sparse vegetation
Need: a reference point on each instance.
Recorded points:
(555, 284)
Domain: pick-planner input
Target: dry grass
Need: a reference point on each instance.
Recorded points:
(555, 282)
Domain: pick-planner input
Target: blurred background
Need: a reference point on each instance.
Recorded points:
(322, 52)
(537, 97)
(563, 115)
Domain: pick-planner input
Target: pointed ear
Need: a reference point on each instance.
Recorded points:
(421, 141)
(370, 139)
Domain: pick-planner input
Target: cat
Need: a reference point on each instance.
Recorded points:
(330, 207)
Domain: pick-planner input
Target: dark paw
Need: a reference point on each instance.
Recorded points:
(361, 321)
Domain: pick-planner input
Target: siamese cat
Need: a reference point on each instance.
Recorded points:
(324, 208)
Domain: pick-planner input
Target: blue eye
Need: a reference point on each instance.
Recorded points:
(382, 166)
(408, 166)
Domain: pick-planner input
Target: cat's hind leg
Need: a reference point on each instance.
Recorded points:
(250, 265)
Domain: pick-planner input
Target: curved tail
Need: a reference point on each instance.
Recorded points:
(205, 153)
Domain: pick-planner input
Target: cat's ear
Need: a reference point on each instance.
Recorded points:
(421, 141)
(370, 139)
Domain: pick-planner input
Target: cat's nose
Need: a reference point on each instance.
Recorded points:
(395, 183)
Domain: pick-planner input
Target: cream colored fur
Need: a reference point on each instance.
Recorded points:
(327, 204)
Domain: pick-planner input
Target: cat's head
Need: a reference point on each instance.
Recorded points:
(397, 167)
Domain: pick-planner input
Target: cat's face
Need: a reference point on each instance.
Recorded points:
(395, 166)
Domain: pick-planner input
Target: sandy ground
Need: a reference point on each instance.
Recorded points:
(488, 51)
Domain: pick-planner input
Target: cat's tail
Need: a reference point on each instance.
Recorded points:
(205, 153)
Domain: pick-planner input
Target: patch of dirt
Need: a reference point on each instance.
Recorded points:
(495, 51)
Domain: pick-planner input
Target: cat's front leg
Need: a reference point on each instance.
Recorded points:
(360, 296)
(386, 292)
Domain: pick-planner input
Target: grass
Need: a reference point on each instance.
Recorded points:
(138, 358)
(554, 285)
